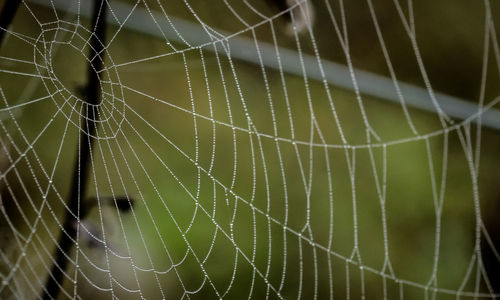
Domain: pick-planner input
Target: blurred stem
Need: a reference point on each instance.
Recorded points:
(6, 16)
(81, 169)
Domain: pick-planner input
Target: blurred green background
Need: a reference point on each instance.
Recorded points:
(221, 208)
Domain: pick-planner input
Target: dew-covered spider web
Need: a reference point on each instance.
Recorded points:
(251, 149)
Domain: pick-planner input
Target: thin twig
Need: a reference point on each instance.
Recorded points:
(80, 173)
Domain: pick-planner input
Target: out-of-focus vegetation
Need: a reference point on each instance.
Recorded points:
(307, 188)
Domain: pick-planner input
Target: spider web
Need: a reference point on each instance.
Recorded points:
(214, 177)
